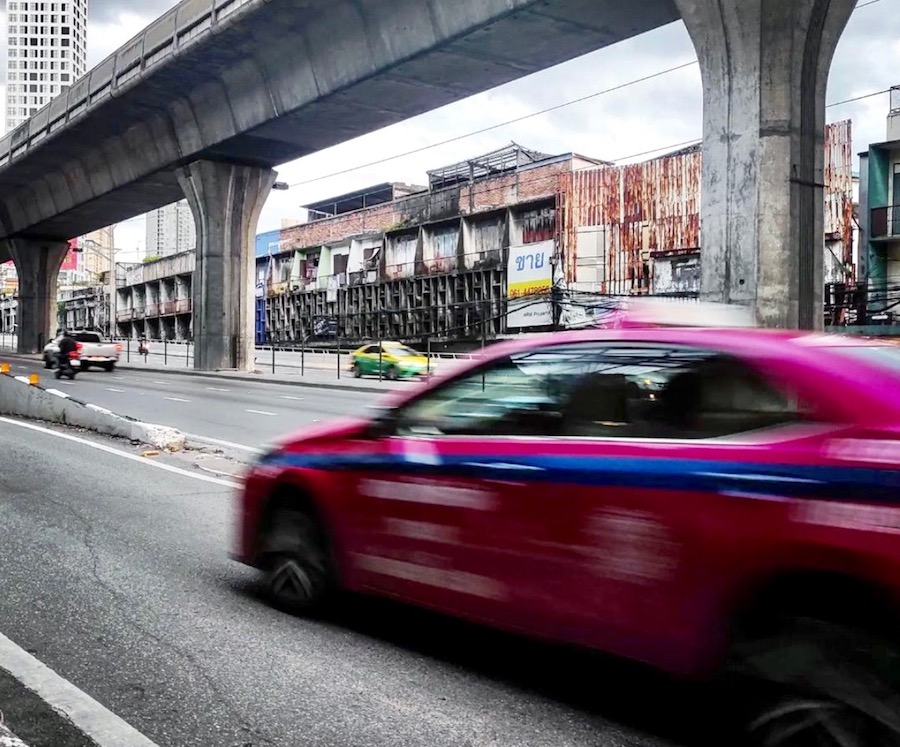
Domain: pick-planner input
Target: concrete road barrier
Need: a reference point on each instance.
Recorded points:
(8, 739)
(19, 397)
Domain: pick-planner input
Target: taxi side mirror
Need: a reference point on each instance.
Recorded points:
(382, 425)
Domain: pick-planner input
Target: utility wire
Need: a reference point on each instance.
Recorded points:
(671, 146)
(860, 97)
(696, 141)
(498, 125)
(557, 107)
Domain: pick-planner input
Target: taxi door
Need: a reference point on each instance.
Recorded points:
(417, 527)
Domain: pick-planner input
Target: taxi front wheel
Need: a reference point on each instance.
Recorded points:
(814, 683)
(298, 575)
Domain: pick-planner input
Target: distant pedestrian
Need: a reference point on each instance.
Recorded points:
(143, 347)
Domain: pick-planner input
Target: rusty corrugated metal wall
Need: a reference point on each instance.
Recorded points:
(655, 207)
(643, 208)
(838, 178)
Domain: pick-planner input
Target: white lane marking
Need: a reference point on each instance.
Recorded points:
(110, 389)
(288, 396)
(124, 455)
(220, 442)
(101, 725)
(176, 399)
(161, 382)
(262, 412)
(58, 393)
(217, 389)
(119, 378)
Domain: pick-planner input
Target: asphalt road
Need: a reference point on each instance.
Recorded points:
(241, 411)
(115, 575)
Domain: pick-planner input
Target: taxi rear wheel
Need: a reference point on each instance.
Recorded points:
(357, 371)
(392, 373)
(298, 571)
(815, 683)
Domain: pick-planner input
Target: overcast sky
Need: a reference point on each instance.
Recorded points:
(655, 114)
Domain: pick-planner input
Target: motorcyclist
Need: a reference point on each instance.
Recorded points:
(67, 345)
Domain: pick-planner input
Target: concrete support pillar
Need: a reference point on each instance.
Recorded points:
(226, 200)
(37, 264)
(765, 66)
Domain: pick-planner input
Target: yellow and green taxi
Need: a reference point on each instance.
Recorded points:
(396, 361)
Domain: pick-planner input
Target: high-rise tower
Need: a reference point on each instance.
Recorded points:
(47, 49)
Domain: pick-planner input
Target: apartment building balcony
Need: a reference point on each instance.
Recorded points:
(885, 223)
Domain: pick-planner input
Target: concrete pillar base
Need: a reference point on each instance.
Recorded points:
(226, 201)
(764, 65)
(37, 264)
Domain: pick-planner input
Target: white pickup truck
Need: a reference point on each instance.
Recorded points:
(92, 351)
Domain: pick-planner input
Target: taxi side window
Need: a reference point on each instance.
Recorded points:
(722, 397)
(502, 400)
(602, 390)
(674, 393)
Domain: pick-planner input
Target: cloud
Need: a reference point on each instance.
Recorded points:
(107, 11)
(111, 23)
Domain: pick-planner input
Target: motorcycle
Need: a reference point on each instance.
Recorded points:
(67, 365)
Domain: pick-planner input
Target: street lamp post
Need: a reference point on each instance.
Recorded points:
(110, 256)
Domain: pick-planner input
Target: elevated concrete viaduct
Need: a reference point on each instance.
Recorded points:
(243, 85)
(213, 95)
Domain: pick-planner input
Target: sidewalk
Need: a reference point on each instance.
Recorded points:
(289, 376)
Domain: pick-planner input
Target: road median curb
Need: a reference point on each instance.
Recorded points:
(8, 739)
(18, 396)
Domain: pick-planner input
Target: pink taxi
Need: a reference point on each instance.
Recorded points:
(708, 501)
